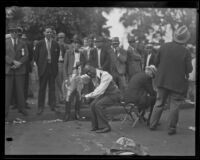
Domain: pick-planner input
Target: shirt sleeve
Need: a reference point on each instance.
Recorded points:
(105, 81)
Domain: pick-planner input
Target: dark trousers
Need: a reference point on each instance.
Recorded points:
(98, 106)
(47, 78)
(26, 86)
(175, 100)
(18, 82)
(120, 80)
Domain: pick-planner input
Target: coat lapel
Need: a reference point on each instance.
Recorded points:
(11, 45)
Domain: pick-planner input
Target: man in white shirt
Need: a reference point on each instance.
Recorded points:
(149, 58)
(105, 94)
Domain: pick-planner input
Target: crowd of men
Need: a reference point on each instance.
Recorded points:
(99, 73)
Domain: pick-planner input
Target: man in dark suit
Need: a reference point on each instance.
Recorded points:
(101, 55)
(118, 64)
(29, 66)
(73, 62)
(174, 66)
(149, 57)
(134, 59)
(15, 69)
(46, 57)
(140, 90)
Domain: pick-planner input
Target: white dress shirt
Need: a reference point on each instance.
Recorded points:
(76, 58)
(193, 73)
(148, 59)
(100, 85)
(49, 53)
(13, 41)
(99, 57)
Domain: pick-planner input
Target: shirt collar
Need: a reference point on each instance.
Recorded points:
(47, 40)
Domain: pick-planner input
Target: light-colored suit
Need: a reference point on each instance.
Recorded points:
(15, 76)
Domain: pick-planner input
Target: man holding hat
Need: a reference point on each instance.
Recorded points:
(134, 59)
(73, 62)
(174, 66)
(140, 90)
(101, 55)
(15, 69)
(118, 64)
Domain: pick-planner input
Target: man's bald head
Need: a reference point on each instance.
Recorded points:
(90, 70)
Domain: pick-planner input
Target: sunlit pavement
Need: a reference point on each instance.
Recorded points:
(48, 134)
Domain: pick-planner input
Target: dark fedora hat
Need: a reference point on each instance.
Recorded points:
(15, 28)
(99, 39)
(115, 40)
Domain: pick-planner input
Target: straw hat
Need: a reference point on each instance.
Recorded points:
(181, 35)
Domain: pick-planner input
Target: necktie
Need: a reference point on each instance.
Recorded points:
(48, 49)
(15, 44)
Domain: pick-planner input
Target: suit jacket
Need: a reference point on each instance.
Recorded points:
(118, 63)
(41, 57)
(151, 60)
(69, 62)
(21, 55)
(104, 59)
(30, 56)
(174, 65)
(138, 87)
(63, 48)
(91, 59)
(134, 62)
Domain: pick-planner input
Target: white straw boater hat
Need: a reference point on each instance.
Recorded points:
(181, 35)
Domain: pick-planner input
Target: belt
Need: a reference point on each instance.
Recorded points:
(61, 61)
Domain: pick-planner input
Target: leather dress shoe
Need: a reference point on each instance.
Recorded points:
(40, 111)
(14, 107)
(172, 131)
(94, 129)
(66, 118)
(24, 112)
(104, 130)
(27, 107)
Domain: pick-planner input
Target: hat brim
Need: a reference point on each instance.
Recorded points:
(115, 42)
(182, 41)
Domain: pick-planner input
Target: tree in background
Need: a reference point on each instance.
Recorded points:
(82, 21)
(154, 21)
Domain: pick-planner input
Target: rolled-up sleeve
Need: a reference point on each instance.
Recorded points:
(105, 81)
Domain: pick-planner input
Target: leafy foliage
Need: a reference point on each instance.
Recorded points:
(144, 21)
(70, 20)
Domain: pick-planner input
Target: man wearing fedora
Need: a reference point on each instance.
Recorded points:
(73, 62)
(46, 58)
(118, 64)
(101, 55)
(150, 55)
(140, 90)
(134, 59)
(15, 70)
(174, 65)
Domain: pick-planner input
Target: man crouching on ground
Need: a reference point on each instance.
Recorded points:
(105, 94)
